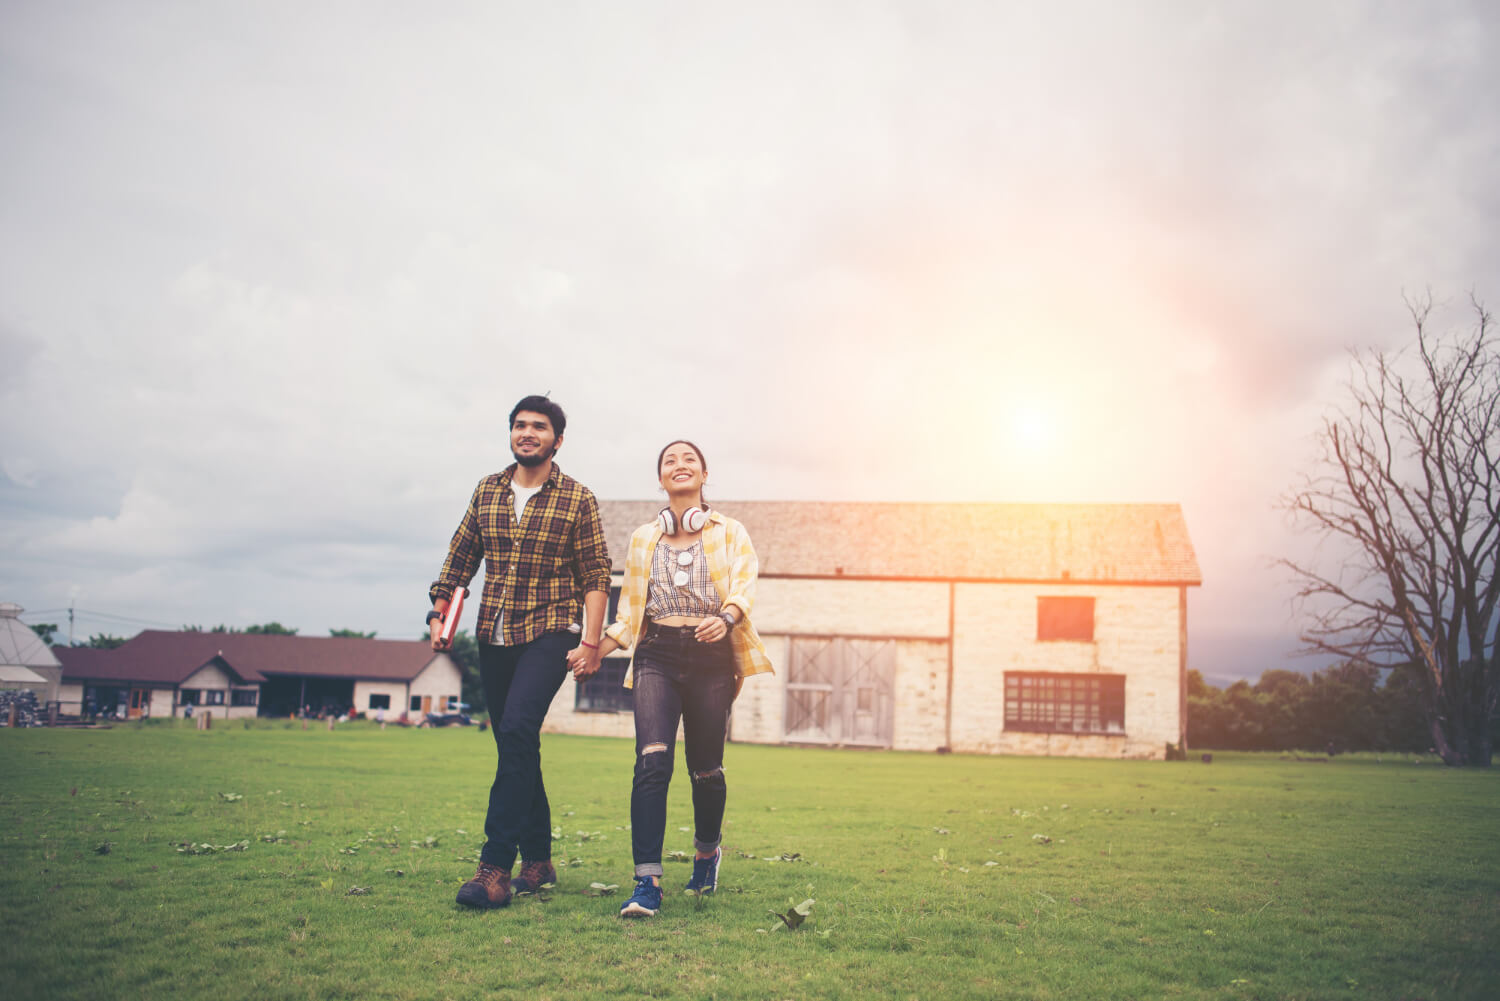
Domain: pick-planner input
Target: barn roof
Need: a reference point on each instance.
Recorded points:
(1099, 543)
(171, 657)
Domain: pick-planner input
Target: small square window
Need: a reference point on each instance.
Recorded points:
(1070, 618)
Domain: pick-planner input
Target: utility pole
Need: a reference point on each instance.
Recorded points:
(70, 622)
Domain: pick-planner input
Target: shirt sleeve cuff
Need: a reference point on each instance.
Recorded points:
(740, 603)
(620, 633)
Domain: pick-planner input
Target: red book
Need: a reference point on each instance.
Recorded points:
(455, 610)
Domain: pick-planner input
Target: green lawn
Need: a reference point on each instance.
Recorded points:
(933, 876)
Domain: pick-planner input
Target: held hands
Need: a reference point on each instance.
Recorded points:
(583, 662)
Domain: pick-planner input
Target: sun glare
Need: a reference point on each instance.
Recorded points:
(1031, 427)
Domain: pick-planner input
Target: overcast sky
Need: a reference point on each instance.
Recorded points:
(272, 274)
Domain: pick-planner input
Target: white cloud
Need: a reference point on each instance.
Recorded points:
(275, 277)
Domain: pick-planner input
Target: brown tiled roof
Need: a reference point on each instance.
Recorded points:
(170, 657)
(1120, 543)
(82, 663)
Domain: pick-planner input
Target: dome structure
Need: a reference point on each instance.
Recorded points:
(25, 661)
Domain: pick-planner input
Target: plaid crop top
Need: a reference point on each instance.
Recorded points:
(680, 583)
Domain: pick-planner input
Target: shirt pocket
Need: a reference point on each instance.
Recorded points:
(497, 530)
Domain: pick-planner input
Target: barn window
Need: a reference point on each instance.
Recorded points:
(380, 701)
(605, 692)
(1065, 618)
(1045, 702)
(244, 697)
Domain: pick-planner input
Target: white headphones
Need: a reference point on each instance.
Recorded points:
(693, 519)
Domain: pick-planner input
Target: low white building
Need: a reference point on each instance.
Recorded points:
(992, 628)
(230, 675)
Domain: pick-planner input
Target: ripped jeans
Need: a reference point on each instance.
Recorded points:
(676, 677)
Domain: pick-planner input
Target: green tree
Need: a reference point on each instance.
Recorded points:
(1206, 723)
(1195, 683)
(1339, 709)
(45, 631)
(1406, 498)
(1346, 705)
(1283, 693)
(104, 641)
(1245, 716)
(354, 634)
(269, 629)
(1403, 723)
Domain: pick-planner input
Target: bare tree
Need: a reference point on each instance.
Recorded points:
(1406, 498)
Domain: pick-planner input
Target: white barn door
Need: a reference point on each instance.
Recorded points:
(841, 691)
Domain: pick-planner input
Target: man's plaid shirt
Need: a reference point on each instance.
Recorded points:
(535, 573)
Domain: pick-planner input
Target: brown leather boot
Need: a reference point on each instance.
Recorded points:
(532, 876)
(490, 887)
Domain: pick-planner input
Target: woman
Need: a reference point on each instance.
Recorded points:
(685, 610)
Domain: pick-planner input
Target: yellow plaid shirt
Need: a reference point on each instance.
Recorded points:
(733, 567)
(535, 574)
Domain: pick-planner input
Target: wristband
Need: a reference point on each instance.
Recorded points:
(434, 614)
(729, 620)
(591, 646)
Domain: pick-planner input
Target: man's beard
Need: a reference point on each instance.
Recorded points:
(536, 459)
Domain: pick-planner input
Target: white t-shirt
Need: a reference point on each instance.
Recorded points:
(522, 495)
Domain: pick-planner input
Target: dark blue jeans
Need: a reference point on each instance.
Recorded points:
(678, 678)
(519, 683)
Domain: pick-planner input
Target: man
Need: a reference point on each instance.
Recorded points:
(546, 565)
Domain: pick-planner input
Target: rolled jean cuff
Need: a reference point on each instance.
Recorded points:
(649, 869)
(708, 846)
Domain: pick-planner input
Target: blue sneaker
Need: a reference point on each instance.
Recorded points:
(644, 902)
(705, 873)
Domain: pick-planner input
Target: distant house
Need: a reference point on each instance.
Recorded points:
(230, 675)
(993, 628)
(25, 661)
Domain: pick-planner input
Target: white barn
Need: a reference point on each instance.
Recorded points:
(1042, 629)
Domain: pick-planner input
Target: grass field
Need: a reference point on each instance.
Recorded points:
(272, 862)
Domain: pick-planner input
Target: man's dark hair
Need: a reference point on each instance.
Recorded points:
(541, 405)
